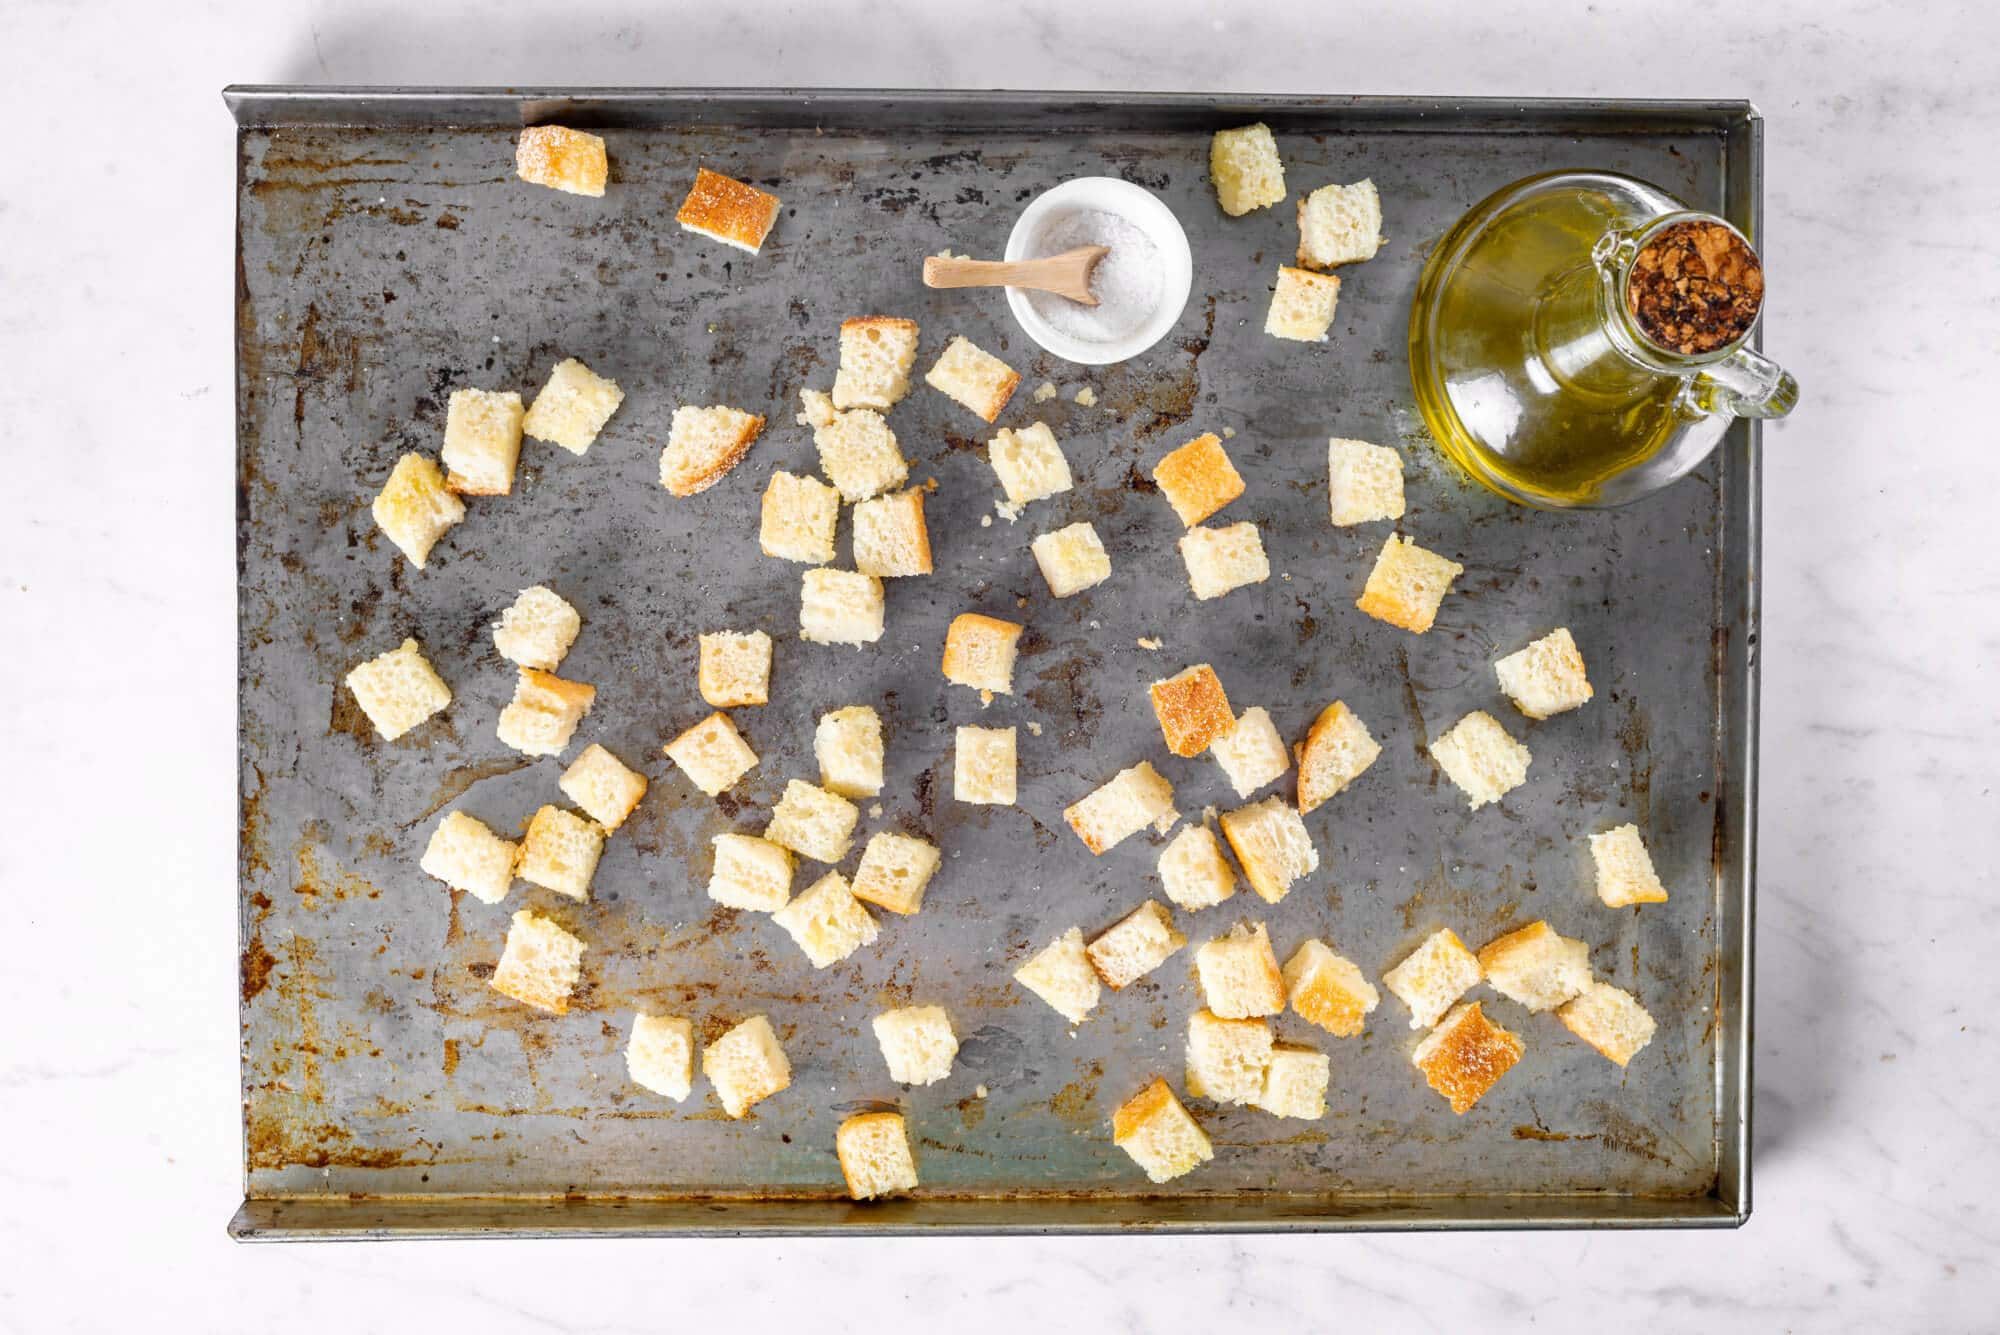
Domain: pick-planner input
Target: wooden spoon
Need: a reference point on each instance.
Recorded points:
(1066, 275)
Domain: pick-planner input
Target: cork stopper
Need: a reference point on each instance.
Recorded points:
(1695, 287)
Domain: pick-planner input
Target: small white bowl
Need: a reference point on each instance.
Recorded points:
(1143, 210)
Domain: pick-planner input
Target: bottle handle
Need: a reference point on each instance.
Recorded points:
(1743, 384)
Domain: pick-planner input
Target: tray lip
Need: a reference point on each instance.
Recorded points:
(1727, 1205)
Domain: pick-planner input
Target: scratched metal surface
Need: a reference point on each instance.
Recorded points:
(380, 266)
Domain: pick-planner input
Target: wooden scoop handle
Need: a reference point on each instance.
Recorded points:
(1067, 274)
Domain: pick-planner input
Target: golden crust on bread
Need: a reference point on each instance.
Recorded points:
(1466, 1055)
(562, 159)
(728, 210)
(1198, 479)
(1192, 709)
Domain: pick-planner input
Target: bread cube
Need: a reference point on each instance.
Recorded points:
(712, 754)
(735, 668)
(1336, 751)
(840, 607)
(537, 629)
(1029, 464)
(560, 852)
(798, 519)
(1625, 874)
(482, 441)
(415, 508)
(1061, 974)
(813, 822)
(540, 964)
(562, 159)
(1436, 974)
(1339, 224)
(1221, 559)
(600, 783)
(1364, 482)
(1245, 167)
(894, 870)
(979, 652)
(1136, 945)
(660, 1055)
(703, 444)
(728, 211)
(542, 717)
(1536, 967)
(746, 1065)
(573, 407)
(1239, 974)
(1407, 585)
(983, 767)
(1465, 1056)
(1610, 1019)
(1133, 799)
(857, 450)
(917, 1042)
(750, 873)
(1198, 479)
(1477, 755)
(1193, 709)
(1271, 845)
(874, 1153)
(827, 921)
(1329, 990)
(1302, 305)
(1295, 1082)
(976, 380)
(1251, 753)
(1226, 1058)
(1193, 870)
(890, 537)
(1072, 559)
(1158, 1133)
(398, 690)
(1546, 678)
(848, 745)
(466, 855)
(876, 354)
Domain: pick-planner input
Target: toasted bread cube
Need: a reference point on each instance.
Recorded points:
(573, 407)
(1295, 1082)
(1610, 1019)
(1245, 167)
(482, 441)
(1221, 559)
(813, 822)
(735, 668)
(1336, 751)
(746, 1065)
(1407, 585)
(1251, 753)
(827, 921)
(848, 745)
(1272, 846)
(1072, 559)
(1329, 990)
(857, 449)
(1193, 709)
(540, 964)
(890, 537)
(750, 873)
(398, 690)
(1226, 1058)
(728, 211)
(703, 444)
(1198, 479)
(876, 354)
(894, 870)
(660, 1055)
(1158, 1133)
(712, 754)
(415, 508)
(1061, 974)
(1136, 945)
(562, 159)
(1029, 464)
(1240, 979)
(1436, 974)
(1546, 678)
(1465, 1056)
(840, 607)
(983, 767)
(974, 379)
(1536, 967)
(798, 520)
(600, 783)
(466, 855)
(1625, 874)
(537, 629)
(1302, 305)
(1193, 870)
(560, 852)
(1364, 482)
(917, 1042)
(542, 717)
(874, 1153)
(1133, 799)
(979, 652)
(1477, 755)
(1340, 224)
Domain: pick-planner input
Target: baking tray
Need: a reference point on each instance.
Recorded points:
(387, 254)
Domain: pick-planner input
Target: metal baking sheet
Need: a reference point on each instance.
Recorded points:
(387, 254)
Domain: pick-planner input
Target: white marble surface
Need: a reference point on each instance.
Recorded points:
(1875, 1058)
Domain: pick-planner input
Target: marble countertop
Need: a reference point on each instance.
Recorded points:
(1875, 1060)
